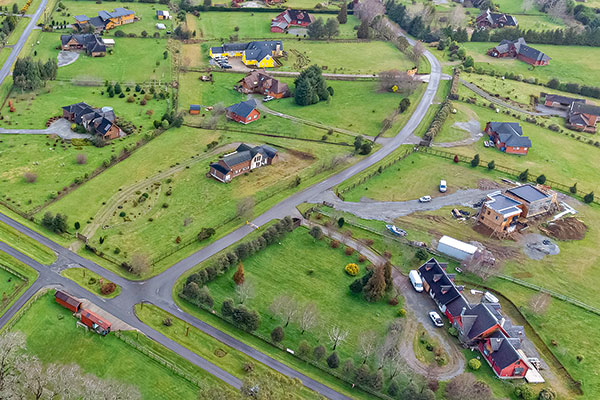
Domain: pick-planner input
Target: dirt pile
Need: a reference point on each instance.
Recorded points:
(566, 229)
(487, 184)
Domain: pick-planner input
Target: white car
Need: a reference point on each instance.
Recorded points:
(268, 98)
(425, 199)
(443, 186)
(436, 319)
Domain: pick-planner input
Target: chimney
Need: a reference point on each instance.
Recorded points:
(502, 321)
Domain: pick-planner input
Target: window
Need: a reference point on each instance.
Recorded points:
(496, 217)
(489, 212)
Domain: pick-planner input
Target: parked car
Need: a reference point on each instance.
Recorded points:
(415, 280)
(443, 186)
(425, 199)
(486, 143)
(395, 230)
(226, 66)
(268, 98)
(436, 319)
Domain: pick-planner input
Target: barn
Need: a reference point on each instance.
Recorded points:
(94, 321)
(67, 301)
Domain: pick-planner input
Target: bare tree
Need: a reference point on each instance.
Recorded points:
(245, 208)
(30, 177)
(81, 158)
(539, 303)
(367, 343)
(401, 79)
(367, 10)
(140, 264)
(337, 336)
(457, 16)
(309, 318)
(33, 378)
(245, 291)
(417, 52)
(11, 345)
(558, 9)
(466, 386)
(285, 308)
(527, 5)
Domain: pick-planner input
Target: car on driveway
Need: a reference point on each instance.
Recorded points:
(436, 319)
(425, 199)
(268, 98)
(443, 186)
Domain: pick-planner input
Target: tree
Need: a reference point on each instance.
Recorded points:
(523, 176)
(356, 286)
(15, 8)
(358, 141)
(11, 346)
(244, 291)
(524, 392)
(246, 319)
(238, 276)
(285, 308)
(309, 317)
(140, 264)
(342, 16)
(541, 179)
(376, 380)
(491, 165)
(367, 343)
(118, 88)
(547, 394)
(319, 352)
(421, 254)
(348, 367)
(474, 364)
(588, 198)
(363, 30)
(375, 287)
(30, 177)
(303, 349)
(316, 232)
(417, 52)
(466, 386)
(337, 336)
(387, 273)
(77, 225)
(341, 222)
(332, 28)
(316, 30)
(573, 189)
(245, 208)
(277, 334)
(227, 308)
(469, 61)
(81, 158)
(365, 148)
(475, 161)
(333, 361)
(362, 374)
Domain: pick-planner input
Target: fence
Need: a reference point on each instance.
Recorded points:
(144, 350)
(23, 309)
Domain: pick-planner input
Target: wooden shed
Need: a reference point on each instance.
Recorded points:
(67, 301)
(94, 321)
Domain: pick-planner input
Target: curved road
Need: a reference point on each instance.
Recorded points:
(157, 290)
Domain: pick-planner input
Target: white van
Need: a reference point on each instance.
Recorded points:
(416, 280)
(443, 186)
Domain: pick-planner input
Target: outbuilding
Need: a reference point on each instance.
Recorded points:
(455, 248)
(95, 322)
(195, 109)
(67, 301)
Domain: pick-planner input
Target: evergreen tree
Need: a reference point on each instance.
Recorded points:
(491, 165)
(342, 16)
(304, 92)
(356, 286)
(387, 272)
(363, 30)
(118, 88)
(573, 189)
(475, 161)
(316, 30)
(541, 179)
(333, 361)
(277, 334)
(227, 308)
(332, 28)
(588, 198)
(523, 176)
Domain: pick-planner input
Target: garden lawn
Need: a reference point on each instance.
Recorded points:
(310, 4)
(26, 245)
(194, 91)
(539, 22)
(450, 131)
(347, 108)
(568, 63)
(12, 285)
(133, 60)
(515, 7)
(146, 12)
(106, 357)
(214, 25)
(4, 53)
(216, 352)
(89, 280)
(316, 276)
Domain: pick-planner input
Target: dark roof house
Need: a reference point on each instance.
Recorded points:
(488, 19)
(583, 117)
(244, 159)
(508, 137)
(259, 53)
(520, 50)
(291, 18)
(99, 121)
(92, 44)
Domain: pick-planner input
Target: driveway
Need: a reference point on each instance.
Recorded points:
(65, 58)
(61, 127)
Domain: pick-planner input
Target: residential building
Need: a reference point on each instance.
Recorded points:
(290, 18)
(558, 101)
(95, 322)
(260, 82)
(534, 200)
(160, 14)
(500, 213)
(195, 109)
(583, 117)
(508, 137)
(97, 121)
(242, 160)
(244, 112)
(488, 19)
(67, 301)
(260, 54)
(105, 20)
(92, 44)
(519, 49)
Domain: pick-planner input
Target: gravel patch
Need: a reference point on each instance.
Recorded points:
(537, 246)
(66, 57)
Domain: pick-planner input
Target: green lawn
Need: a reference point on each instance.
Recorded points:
(26, 245)
(19, 29)
(216, 352)
(89, 280)
(11, 285)
(195, 91)
(146, 13)
(106, 357)
(221, 25)
(568, 63)
(308, 4)
(539, 22)
(4, 53)
(145, 54)
(450, 132)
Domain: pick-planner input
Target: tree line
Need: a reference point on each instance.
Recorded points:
(590, 36)
(31, 75)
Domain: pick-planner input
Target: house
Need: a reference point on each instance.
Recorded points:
(504, 355)
(558, 101)
(95, 322)
(455, 248)
(534, 199)
(289, 18)
(92, 44)
(195, 109)
(488, 19)
(96, 121)
(259, 54)
(244, 112)
(67, 301)
(160, 14)
(583, 117)
(260, 82)
(500, 213)
(242, 160)
(508, 137)
(105, 20)
(519, 49)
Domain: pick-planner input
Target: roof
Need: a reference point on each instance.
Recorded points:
(220, 168)
(443, 288)
(195, 107)
(457, 244)
(504, 352)
(82, 18)
(532, 53)
(300, 15)
(585, 108)
(163, 13)
(243, 109)
(160, 26)
(498, 18)
(528, 193)
(92, 43)
(67, 298)
(510, 133)
(556, 98)
(477, 320)
(256, 50)
(95, 318)
(503, 204)
(245, 153)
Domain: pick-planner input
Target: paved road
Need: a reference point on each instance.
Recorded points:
(157, 290)
(60, 127)
(5, 70)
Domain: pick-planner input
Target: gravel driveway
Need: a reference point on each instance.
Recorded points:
(62, 128)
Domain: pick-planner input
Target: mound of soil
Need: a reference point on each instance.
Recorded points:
(566, 229)
(487, 184)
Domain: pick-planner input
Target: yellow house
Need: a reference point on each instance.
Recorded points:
(106, 20)
(260, 53)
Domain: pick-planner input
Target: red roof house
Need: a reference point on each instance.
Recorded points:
(244, 112)
(291, 18)
(518, 49)
(508, 137)
(67, 301)
(94, 321)
(583, 117)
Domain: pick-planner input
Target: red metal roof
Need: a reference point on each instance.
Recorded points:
(67, 298)
(95, 318)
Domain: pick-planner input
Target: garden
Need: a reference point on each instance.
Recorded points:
(92, 282)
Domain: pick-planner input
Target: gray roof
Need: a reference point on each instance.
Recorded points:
(92, 43)
(510, 133)
(532, 53)
(504, 349)
(81, 18)
(567, 101)
(585, 108)
(245, 153)
(243, 109)
(440, 283)
(257, 50)
(481, 319)
(529, 193)
(502, 204)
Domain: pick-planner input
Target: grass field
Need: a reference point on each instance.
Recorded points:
(146, 13)
(567, 64)
(26, 245)
(221, 26)
(539, 22)
(106, 357)
(89, 280)
(18, 31)
(195, 91)
(216, 352)
(450, 132)
(147, 58)
(10, 284)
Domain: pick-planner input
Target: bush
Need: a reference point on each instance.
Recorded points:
(108, 288)
(248, 367)
(361, 258)
(352, 269)
(453, 331)
(81, 158)
(333, 361)
(588, 198)
(491, 165)
(474, 364)
(319, 352)
(546, 394)
(334, 244)
(349, 251)
(122, 214)
(541, 179)
(167, 322)
(475, 161)
(402, 312)
(30, 177)
(421, 255)
(277, 334)
(524, 392)
(393, 301)
(303, 349)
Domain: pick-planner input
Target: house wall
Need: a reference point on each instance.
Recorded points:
(494, 220)
(516, 150)
(276, 29)
(220, 176)
(66, 305)
(253, 116)
(113, 133)
(531, 61)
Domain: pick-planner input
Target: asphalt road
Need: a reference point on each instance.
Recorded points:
(157, 290)
(5, 70)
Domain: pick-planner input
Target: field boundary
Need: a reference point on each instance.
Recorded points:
(21, 311)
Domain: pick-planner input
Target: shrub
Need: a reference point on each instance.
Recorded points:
(92, 281)
(122, 214)
(277, 334)
(349, 251)
(108, 288)
(81, 158)
(393, 301)
(319, 352)
(303, 349)
(523, 176)
(30, 177)
(316, 232)
(588, 198)
(546, 394)
(541, 179)
(402, 312)
(352, 269)
(334, 244)
(341, 222)
(491, 165)
(453, 331)
(474, 364)
(524, 392)
(248, 367)
(167, 322)
(421, 255)
(475, 161)
(361, 258)
(333, 361)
